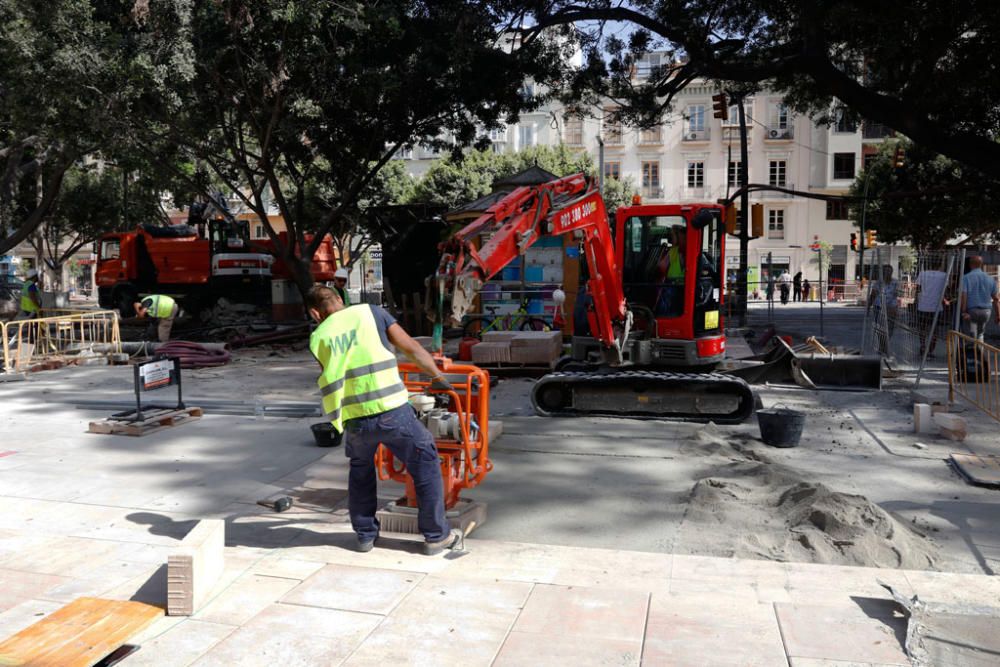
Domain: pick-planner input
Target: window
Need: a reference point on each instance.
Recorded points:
(734, 114)
(843, 165)
(776, 173)
(528, 90)
(405, 154)
(696, 118)
(527, 135)
(651, 179)
(259, 232)
(573, 131)
(648, 65)
(612, 126)
(836, 209)
(845, 124)
(872, 130)
(498, 134)
(613, 170)
(733, 174)
(696, 174)
(779, 117)
(111, 249)
(776, 223)
(650, 135)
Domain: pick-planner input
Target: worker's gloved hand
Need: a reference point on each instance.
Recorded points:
(440, 384)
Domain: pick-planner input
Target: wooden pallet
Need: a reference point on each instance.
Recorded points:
(154, 420)
(79, 634)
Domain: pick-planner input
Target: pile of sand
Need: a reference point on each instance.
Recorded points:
(770, 512)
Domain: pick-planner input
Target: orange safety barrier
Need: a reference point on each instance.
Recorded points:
(464, 452)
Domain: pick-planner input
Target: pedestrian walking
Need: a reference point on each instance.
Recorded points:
(365, 398)
(31, 302)
(805, 289)
(785, 286)
(884, 300)
(931, 285)
(978, 297)
(797, 287)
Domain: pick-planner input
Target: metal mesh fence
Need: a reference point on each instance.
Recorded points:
(910, 308)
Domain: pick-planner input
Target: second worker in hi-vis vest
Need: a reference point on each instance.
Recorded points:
(365, 398)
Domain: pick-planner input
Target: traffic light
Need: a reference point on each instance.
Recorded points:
(854, 242)
(899, 158)
(719, 107)
(870, 238)
(757, 220)
(731, 220)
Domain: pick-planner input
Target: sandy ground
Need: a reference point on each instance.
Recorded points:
(856, 490)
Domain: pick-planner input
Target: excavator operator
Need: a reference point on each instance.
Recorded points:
(670, 301)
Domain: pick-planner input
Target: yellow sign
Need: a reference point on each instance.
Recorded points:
(712, 319)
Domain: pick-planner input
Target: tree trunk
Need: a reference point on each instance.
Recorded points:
(301, 270)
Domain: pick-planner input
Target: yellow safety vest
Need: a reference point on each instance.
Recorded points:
(360, 377)
(675, 269)
(162, 306)
(27, 305)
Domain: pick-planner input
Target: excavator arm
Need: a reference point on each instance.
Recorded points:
(567, 205)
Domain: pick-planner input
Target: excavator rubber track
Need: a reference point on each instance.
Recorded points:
(692, 397)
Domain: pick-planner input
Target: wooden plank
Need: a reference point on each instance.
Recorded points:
(80, 634)
(166, 419)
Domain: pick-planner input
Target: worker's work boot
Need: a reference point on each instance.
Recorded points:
(453, 540)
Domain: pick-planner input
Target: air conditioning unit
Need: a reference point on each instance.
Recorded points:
(778, 133)
(692, 136)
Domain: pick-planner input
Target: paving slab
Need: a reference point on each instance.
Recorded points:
(181, 644)
(292, 636)
(528, 648)
(876, 628)
(361, 589)
(244, 599)
(695, 630)
(584, 612)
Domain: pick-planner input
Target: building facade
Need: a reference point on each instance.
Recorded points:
(694, 157)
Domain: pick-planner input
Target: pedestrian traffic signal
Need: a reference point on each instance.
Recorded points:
(899, 157)
(870, 238)
(854, 242)
(719, 107)
(757, 220)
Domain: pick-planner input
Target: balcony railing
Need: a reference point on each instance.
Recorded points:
(870, 130)
(774, 194)
(696, 135)
(652, 192)
(778, 133)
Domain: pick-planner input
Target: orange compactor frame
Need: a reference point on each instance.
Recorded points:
(459, 422)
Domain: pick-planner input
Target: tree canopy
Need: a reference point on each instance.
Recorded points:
(927, 69)
(69, 70)
(929, 201)
(292, 98)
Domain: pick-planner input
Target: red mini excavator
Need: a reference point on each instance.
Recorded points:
(653, 301)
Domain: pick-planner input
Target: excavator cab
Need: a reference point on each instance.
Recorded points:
(672, 263)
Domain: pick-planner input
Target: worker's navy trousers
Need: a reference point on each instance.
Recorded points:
(411, 443)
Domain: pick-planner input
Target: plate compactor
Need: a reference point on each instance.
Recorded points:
(459, 421)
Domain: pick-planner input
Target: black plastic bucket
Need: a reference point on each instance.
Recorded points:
(780, 427)
(325, 435)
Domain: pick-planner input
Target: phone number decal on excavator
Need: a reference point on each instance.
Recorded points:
(575, 214)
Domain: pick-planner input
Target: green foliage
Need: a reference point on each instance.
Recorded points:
(308, 101)
(825, 252)
(71, 70)
(928, 202)
(618, 193)
(454, 181)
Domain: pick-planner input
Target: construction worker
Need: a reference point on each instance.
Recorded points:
(340, 284)
(364, 397)
(162, 309)
(31, 302)
(671, 270)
